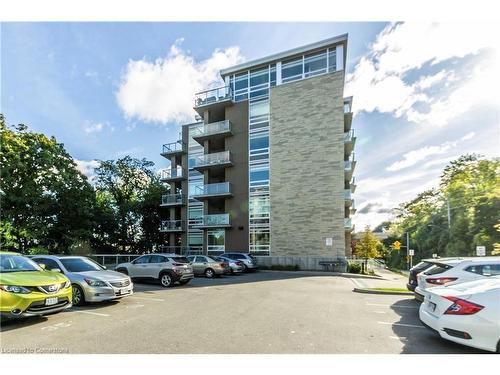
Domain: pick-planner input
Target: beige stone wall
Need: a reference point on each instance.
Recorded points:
(307, 167)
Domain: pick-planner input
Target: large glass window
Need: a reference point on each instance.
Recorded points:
(315, 64)
(241, 87)
(259, 174)
(291, 70)
(259, 77)
(216, 241)
(332, 59)
(259, 140)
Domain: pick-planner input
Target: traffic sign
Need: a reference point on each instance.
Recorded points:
(481, 251)
(411, 252)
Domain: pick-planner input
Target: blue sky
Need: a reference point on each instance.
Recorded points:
(423, 93)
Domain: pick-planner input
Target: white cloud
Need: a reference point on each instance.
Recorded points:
(379, 81)
(97, 127)
(162, 91)
(414, 156)
(87, 167)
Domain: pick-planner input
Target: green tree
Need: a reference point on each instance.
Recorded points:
(126, 182)
(366, 246)
(45, 200)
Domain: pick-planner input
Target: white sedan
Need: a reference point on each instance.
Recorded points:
(466, 313)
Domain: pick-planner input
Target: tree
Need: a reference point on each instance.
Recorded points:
(126, 180)
(46, 201)
(366, 246)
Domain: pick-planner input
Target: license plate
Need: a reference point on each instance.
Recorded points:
(432, 306)
(51, 301)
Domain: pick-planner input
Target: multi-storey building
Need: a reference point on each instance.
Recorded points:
(268, 169)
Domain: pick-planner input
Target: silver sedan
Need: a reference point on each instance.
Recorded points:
(236, 266)
(91, 282)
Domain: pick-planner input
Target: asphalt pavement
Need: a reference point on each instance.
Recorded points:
(262, 312)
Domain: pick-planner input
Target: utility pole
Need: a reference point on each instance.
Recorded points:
(449, 212)
(407, 250)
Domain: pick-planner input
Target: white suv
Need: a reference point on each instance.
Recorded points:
(166, 268)
(455, 271)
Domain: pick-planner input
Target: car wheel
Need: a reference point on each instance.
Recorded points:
(166, 280)
(184, 282)
(498, 347)
(78, 298)
(245, 268)
(122, 270)
(209, 273)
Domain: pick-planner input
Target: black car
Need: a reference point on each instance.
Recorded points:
(416, 269)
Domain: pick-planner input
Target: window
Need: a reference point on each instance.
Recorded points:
(437, 269)
(260, 174)
(273, 75)
(259, 141)
(157, 259)
(50, 264)
(485, 269)
(179, 259)
(291, 70)
(79, 265)
(259, 77)
(216, 241)
(200, 259)
(332, 59)
(142, 260)
(315, 64)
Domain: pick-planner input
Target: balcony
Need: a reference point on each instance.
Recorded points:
(173, 148)
(170, 200)
(348, 198)
(212, 99)
(349, 142)
(213, 221)
(212, 191)
(172, 226)
(353, 185)
(347, 113)
(348, 224)
(213, 130)
(213, 161)
(171, 175)
(349, 166)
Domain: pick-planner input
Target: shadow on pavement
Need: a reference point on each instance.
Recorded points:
(16, 323)
(422, 340)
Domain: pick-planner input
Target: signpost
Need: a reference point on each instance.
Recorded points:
(481, 251)
(329, 241)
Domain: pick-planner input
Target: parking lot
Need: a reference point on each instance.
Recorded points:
(262, 312)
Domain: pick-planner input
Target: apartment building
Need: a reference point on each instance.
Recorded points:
(268, 168)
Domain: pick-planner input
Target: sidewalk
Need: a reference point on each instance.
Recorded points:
(389, 280)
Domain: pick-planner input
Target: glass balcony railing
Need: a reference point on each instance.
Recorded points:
(173, 147)
(349, 164)
(214, 220)
(172, 199)
(348, 105)
(347, 223)
(212, 128)
(212, 96)
(169, 174)
(347, 194)
(349, 136)
(218, 158)
(220, 188)
(171, 226)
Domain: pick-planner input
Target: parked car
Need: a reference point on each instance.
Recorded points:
(236, 266)
(249, 261)
(166, 268)
(26, 289)
(91, 281)
(459, 270)
(421, 267)
(208, 266)
(467, 313)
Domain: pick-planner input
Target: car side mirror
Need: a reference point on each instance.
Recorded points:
(104, 267)
(55, 270)
(42, 265)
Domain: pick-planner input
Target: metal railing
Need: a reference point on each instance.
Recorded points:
(173, 147)
(349, 164)
(222, 157)
(212, 128)
(213, 220)
(347, 223)
(347, 194)
(172, 199)
(349, 136)
(166, 174)
(171, 225)
(213, 189)
(212, 96)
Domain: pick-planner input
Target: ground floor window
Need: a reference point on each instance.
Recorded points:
(216, 241)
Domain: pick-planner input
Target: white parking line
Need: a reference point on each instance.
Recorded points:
(396, 306)
(148, 299)
(397, 338)
(380, 312)
(91, 313)
(401, 324)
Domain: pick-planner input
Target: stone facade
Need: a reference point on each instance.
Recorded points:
(307, 167)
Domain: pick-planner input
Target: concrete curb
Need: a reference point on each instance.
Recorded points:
(370, 291)
(329, 273)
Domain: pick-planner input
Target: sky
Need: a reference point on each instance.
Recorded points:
(424, 93)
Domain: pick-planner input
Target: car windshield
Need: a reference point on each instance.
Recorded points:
(437, 269)
(80, 265)
(17, 263)
(180, 259)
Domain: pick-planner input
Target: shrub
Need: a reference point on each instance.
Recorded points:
(354, 268)
(38, 251)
